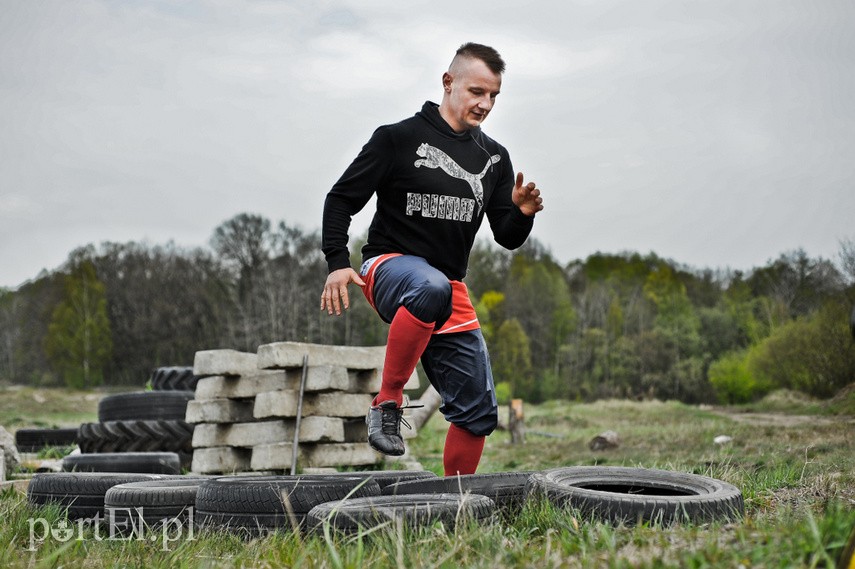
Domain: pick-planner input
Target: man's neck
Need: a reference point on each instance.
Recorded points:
(446, 116)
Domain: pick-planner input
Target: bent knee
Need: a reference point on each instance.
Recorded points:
(430, 301)
(435, 289)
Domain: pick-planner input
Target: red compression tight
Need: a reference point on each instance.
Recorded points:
(408, 338)
(462, 451)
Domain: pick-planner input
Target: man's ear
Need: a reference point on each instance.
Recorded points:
(446, 81)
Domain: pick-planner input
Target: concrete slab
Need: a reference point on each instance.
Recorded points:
(220, 411)
(278, 456)
(248, 435)
(334, 378)
(318, 378)
(221, 460)
(224, 362)
(336, 404)
(290, 354)
(240, 387)
(355, 430)
(407, 432)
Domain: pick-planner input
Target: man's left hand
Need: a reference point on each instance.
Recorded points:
(527, 197)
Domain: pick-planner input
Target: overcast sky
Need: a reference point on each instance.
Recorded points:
(716, 133)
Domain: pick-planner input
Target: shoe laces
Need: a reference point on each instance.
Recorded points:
(391, 419)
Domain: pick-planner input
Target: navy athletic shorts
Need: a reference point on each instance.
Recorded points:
(456, 364)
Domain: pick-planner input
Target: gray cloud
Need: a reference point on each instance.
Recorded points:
(715, 133)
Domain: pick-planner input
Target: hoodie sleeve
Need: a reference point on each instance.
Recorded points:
(510, 226)
(350, 194)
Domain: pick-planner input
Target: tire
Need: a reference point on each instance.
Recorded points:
(173, 379)
(618, 494)
(257, 504)
(386, 477)
(137, 505)
(139, 462)
(506, 489)
(138, 436)
(415, 510)
(33, 440)
(80, 493)
(145, 406)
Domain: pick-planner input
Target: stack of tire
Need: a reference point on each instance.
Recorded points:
(257, 505)
(248, 505)
(140, 431)
(34, 440)
(349, 501)
(79, 494)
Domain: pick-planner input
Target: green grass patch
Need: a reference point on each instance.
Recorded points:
(843, 403)
(796, 476)
(27, 407)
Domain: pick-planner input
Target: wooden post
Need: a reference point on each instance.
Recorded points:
(296, 447)
(516, 422)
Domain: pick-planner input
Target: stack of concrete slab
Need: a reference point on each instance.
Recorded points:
(246, 407)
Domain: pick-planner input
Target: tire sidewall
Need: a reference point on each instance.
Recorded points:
(701, 499)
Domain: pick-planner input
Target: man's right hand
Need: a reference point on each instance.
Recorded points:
(335, 290)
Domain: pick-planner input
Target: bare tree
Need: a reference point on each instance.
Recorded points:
(847, 258)
(10, 333)
(243, 244)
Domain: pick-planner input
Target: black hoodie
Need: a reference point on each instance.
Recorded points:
(433, 188)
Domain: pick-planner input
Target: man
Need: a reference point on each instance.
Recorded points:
(436, 176)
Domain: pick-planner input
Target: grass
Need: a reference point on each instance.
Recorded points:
(798, 481)
(29, 407)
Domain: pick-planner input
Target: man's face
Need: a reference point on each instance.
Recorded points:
(470, 93)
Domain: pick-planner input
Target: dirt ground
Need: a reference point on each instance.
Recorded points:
(782, 419)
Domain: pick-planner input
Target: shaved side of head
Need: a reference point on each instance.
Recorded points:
(487, 54)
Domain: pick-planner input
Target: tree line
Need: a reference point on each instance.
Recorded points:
(611, 325)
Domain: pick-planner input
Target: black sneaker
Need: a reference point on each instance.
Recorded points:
(384, 428)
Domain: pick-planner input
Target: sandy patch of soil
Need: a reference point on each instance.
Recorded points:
(783, 420)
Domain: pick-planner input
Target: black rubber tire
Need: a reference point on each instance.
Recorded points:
(138, 436)
(145, 406)
(256, 504)
(33, 440)
(140, 462)
(81, 493)
(173, 378)
(386, 477)
(619, 494)
(506, 489)
(415, 510)
(138, 505)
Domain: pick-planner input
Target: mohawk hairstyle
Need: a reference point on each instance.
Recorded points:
(485, 53)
